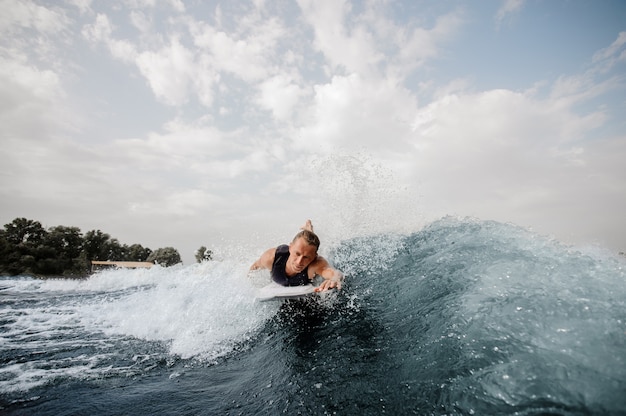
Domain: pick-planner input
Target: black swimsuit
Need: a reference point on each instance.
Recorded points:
(279, 275)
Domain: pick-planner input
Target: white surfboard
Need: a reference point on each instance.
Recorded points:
(274, 291)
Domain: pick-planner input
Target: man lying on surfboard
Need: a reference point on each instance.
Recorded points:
(297, 264)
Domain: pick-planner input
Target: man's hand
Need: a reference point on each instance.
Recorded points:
(329, 284)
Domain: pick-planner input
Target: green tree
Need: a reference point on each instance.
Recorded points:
(23, 239)
(26, 247)
(165, 257)
(67, 245)
(6, 252)
(137, 252)
(114, 250)
(95, 245)
(67, 241)
(46, 261)
(24, 232)
(203, 254)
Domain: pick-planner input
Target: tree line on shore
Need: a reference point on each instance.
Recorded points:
(26, 247)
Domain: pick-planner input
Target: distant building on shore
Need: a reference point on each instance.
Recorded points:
(99, 265)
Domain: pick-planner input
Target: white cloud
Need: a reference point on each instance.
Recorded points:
(350, 49)
(508, 156)
(34, 34)
(181, 203)
(169, 72)
(247, 54)
(451, 88)
(176, 71)
(354, 113)
(369, 42)
(192, 152)
(177, 5)
(606, 58)
(597, 80)
(508, 8)
(419, 45)
(141, 21)
(101, 32)
(27, 14)
(281, 96)
(31, 101)
(139, 4)
(83, 5)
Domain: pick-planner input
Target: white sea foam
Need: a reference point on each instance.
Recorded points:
(201, 311)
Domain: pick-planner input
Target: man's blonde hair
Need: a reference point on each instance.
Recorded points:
(310, 237)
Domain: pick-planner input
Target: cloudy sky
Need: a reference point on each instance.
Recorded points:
(188, 123)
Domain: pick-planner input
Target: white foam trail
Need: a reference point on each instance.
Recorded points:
(202, 311)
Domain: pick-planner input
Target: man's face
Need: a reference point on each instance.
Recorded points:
(301, 254)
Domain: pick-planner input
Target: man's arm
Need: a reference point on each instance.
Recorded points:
(265, 261)
(332, 277)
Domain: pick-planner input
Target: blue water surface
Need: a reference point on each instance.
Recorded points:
(464, 317)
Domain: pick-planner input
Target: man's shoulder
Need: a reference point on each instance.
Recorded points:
(319, 263)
